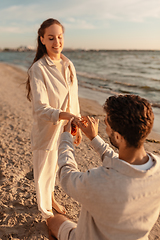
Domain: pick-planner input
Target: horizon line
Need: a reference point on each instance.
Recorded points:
(29, 48)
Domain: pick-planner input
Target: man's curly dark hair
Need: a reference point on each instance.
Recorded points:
(131, 116)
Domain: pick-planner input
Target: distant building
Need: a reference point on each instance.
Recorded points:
(19, 49)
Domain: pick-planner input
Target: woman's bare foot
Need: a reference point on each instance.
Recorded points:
(50, 211)
(59, 208)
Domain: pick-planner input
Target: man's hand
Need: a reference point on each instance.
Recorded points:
(89, 126)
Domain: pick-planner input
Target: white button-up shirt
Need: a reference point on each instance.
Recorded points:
(51, 94)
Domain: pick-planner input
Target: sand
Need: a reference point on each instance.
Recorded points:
(19, 216)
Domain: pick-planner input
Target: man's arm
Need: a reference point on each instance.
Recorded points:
(72, 180)
(89, 126)
(75, 183)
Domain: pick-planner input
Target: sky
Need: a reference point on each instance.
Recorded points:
(89, 24)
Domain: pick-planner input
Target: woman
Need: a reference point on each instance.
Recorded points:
(52, 88)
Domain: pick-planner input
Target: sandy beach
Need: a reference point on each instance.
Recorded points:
(19, 216)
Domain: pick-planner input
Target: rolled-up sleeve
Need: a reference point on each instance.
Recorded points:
(40, 99)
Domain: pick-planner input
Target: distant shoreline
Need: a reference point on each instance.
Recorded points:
(29, 49)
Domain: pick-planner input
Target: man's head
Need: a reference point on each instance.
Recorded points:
(130, 116)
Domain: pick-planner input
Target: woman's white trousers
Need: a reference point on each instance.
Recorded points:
(45, 167)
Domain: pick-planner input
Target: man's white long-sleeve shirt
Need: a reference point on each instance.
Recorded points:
(118, 201)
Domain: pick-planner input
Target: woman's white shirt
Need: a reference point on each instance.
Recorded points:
(51, 94)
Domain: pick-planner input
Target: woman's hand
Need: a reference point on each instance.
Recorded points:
(78, 139)
(66, 116)
(68, 128)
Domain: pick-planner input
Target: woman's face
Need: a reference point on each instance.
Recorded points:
(53, 41)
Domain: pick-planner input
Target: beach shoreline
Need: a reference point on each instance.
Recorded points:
(19, 216)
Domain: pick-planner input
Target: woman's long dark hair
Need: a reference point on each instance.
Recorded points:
(41, 49)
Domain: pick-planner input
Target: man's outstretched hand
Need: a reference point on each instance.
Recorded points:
(89, 126)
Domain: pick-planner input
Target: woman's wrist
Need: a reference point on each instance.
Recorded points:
(65, 116)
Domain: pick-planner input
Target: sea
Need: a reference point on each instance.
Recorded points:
(102, 73)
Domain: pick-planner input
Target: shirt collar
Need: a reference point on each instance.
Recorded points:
(126, 169)
(50, 62)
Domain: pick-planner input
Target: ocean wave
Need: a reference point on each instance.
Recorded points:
(144, 87)
(98, 89)
(125, 84)
(110, 83)
(151, 89)
(111, 92)
(155, 68)
(155, 80)
(91, 76)
(156, 105)
(111, 77)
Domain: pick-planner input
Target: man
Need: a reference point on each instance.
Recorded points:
(120, 199)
